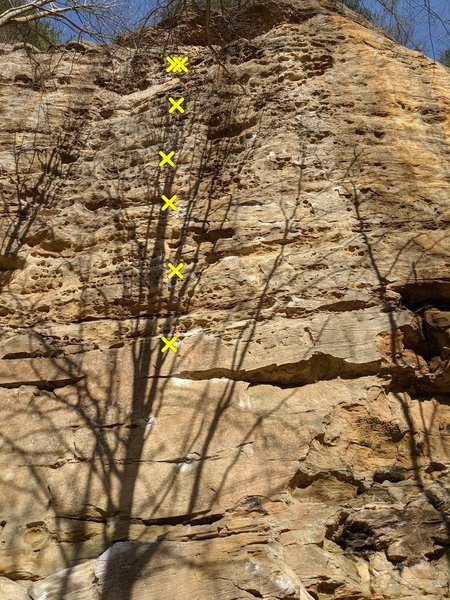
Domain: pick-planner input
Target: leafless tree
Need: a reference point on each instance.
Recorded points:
(79, 16)
(413, 23)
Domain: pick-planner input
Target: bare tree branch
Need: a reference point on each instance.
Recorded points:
(39, 15)
(40, 9)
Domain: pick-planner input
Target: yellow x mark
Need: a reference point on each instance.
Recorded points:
(176, 105)
(177, 64)
(169, 203)
(166, 158)
(175, 271)
(169, 344)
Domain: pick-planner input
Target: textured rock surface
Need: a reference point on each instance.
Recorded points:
(296, 446)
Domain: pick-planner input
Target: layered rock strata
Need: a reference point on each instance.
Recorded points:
(296, 445)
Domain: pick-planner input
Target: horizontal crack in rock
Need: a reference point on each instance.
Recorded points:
(320, 367)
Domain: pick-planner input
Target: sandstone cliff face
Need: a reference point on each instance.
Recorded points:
(296, 445)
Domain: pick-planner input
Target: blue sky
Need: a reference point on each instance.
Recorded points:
(429, 34)
(430, 27)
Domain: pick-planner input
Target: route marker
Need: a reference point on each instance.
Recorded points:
(175, 271)
(177, 64)
(169, 203)
(166, 158)
(169, 344)
(176, 105)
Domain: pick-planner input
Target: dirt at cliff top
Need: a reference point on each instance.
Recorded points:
(297, 443)
(251, 20)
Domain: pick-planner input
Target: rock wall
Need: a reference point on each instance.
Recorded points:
(296, 444)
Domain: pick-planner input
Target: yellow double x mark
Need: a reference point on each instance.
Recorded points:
(175, 271)
(177, 64)
(166, 158)
(169, 344)
(169, 203)
(176, 105)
